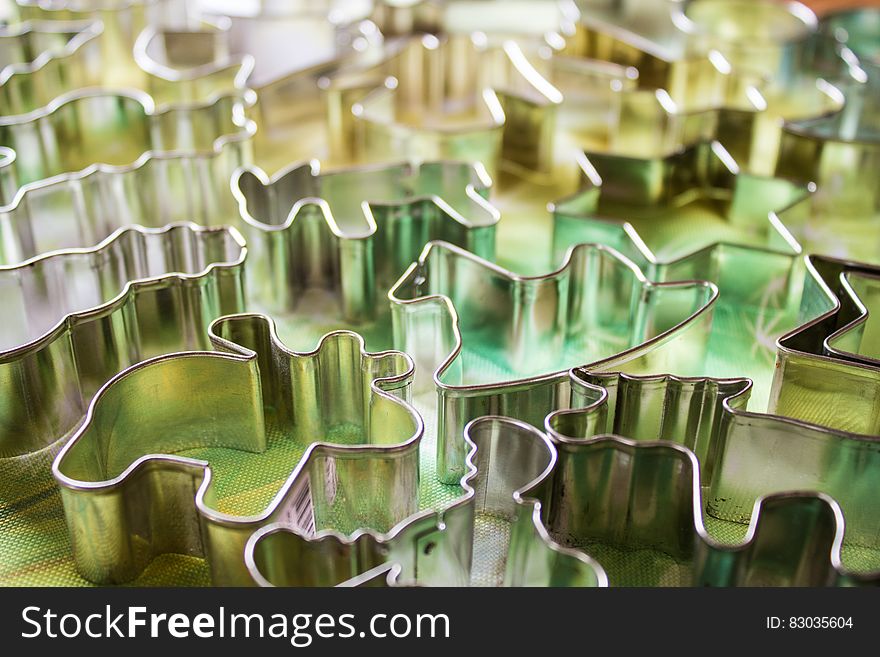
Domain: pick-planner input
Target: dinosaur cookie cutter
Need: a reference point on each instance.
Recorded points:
(356, 230)
(129, 495)
(527, 332)
(78, 317)
(506, 462)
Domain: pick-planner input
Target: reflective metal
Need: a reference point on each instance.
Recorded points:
(729, 70)
(129, 496)
(354, 231)
(492, 342)
(455, 97)
(43, 59)
(506, 463)
(156, 168)
(75, 318)
(120, 129)
(646, 208)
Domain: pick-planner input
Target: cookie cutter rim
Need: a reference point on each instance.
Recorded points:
(67, 320)
(566, 264)
(467, 498)
(203, 510)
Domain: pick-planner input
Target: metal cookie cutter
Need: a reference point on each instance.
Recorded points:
(755, 35)
(455, 97)
(130, 493)
(121, 129)
(506, 463)
(355, 230)
(840, 152)
(832, 354)
(710, 68)
(520, 19)
(295, 46)
(122, 20)
(75, 318)
(189, 65)
(669, 42)
(27, 88)
(636, 507)
(43, 59)
(499, 343)
(744, 455)
(165, 167)
(285, 37)
(683, 410)
(854, 34)
(646, 208)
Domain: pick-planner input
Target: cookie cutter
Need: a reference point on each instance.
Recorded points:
(123, 21)
(185, 177)
(624, 201)
(519, 19)
(839, 151)
(855, 31)
(855, 339)
(527, 332)
(129, 495)
(744, 455)
(830, 339)
(308, 34)
(317, 42)
(669, 42)
(506, 462)
(689, 411)
(501, 109)
(77, 317)
(355, 230)
(688, 92)
(560, 507)
(754, 35)
(191, 64)
(645, 496)
(44, 59)
(26, 88)
(705, 422)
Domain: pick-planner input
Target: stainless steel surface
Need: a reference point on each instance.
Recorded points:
(129, 497)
